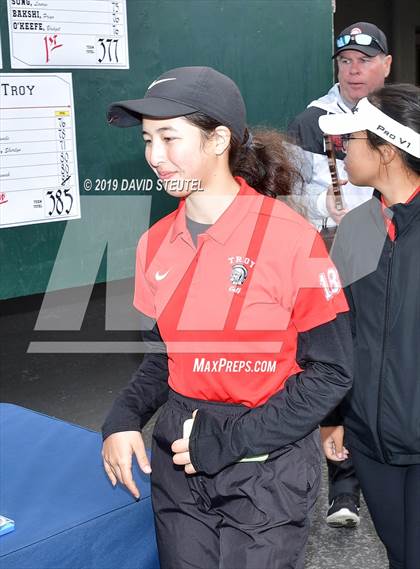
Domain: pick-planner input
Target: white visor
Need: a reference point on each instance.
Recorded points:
(366, 116)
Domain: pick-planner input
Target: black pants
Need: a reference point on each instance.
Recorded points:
(392, 494)
(342, 479)
(252, 515)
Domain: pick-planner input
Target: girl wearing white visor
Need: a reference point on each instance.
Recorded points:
(377, 252)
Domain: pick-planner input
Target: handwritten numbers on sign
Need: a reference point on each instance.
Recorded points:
(107, 50)
(67, 194)
(51, 44)
(61, 198)
(78, 34)
(57, 198)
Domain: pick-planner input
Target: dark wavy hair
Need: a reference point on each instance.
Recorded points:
(265, 160)
(401, 102)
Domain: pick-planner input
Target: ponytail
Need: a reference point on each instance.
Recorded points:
(264, 159)
(266, 164)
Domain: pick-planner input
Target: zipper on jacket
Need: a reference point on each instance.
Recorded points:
(384, 342)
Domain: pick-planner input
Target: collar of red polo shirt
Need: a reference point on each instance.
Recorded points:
(226, 223)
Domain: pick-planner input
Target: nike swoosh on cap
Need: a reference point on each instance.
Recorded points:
(160, 81)
(160, 276)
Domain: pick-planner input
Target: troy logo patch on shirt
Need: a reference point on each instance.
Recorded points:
(240, 270)
(238, 275)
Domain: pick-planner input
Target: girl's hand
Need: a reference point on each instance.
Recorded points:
(336, 214)
(180, 448)
(332, 442)
(117, 453)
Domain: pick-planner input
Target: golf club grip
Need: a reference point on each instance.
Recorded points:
(332, 165)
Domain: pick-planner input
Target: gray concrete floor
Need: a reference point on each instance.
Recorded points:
(80, 389)
(329, 548)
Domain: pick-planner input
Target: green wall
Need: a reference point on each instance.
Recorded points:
(278, 51)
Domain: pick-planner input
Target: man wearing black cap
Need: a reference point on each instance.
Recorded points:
(363, 62)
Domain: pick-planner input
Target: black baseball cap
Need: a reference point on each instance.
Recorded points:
(183, 91)
(355, 37)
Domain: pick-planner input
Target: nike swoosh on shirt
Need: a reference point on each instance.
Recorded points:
(160, 276)
(160, 81)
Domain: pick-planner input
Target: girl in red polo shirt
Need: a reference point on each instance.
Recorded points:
(247, 328)
(377, 251)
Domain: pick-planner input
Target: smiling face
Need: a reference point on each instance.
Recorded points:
(178, 153)
(359, 74)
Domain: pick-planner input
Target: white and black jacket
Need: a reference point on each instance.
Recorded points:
(305, 132)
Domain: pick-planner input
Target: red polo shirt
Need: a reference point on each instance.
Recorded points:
(230, 309)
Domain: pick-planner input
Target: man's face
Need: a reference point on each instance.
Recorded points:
(359, 74)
